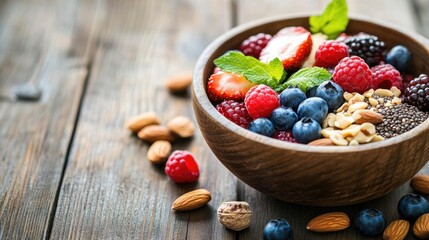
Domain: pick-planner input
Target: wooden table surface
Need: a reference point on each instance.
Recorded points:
(69, 169)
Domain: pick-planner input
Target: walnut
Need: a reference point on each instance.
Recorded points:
(234, 215)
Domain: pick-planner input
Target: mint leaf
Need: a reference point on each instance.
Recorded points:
(307, 78)
(333, 20)
(270, 74)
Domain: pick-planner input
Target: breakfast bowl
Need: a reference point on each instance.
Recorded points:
(305, 174)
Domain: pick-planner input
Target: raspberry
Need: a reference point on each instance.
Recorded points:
(330, 53)
(260, 101)
(385, 76)
(181, 167)
(235, 112)
(368, 47)
(353, 74)
(254, 44)
(284, 136)
(417, 92)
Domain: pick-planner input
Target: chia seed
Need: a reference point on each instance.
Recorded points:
(398, 119)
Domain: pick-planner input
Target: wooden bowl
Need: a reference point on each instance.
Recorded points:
(312, 175)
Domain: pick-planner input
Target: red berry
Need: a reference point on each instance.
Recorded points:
(260, 101)
(227, 86)
(330, 53)
(284, 136)
(181, 167)
(385, 76)
(291, 45)
(353, 74)
(235, 112)
(254, 44)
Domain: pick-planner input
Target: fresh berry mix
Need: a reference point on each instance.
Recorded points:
(260, 101)
(284, 136)
(254, 44)
(367, 47)
(291, 45)
(330, 53)
(353, 74)
(235, 112)
(370, 222)
(385, 76)
(399, 57)
(412, 206)
(181, 167)
(417, 92)
(278, 229)
(300, 85)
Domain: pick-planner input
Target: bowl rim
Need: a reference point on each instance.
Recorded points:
(200, 95)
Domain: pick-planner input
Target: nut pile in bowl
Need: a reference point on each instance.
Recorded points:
(319, 87)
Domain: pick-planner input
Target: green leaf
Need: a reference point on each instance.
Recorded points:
(333, 20)
(307, 78)
(271, 74)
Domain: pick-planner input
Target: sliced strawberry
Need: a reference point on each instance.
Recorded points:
(227, 86)
(291, 45)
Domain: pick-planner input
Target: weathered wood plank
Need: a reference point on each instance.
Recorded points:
(34, 136)
(110, 190)
(265, 207)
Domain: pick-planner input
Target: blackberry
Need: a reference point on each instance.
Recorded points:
(254, 44)
(368, 47)
(417, 92)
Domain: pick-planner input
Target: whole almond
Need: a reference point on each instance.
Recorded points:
(420, 183)
(421, 227)
(154, 133)
(369, 116)
(192, 200)
(322, 142)
(329, 222)
(182, 126)
(397, 230)
(159, 151)
(140, 121)
(179, 83)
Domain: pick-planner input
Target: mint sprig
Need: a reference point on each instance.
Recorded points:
(270, 74)
(307, 78)
(333, 20)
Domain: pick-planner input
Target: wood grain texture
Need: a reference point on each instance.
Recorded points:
(110, 190)
(34, 136)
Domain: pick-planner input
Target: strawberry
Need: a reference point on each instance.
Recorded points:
(227, 86)
(291, 45)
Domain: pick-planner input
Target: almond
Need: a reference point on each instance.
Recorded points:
(182, 126)
(192, 200)
(140, 121)
(329, 222)
(397, 230)
(421, 227)
(159, 151)
(179, 83)
(154, 133)
(369, 116)
(420, 183)
(322, 142)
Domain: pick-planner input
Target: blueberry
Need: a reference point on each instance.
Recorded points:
(262, 126)
(412, 206)
(306, 130)
(278, 229)
(283, 118)
(332, 93)
(311, 92)
(399, 57)
(313, 107)
(370, 222)
(292, 97)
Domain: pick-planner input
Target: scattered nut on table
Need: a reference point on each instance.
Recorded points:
(140, 121)
(234, 215)
(154, 133)
(182, 126)
(159, 151)
(192, 200)
(179, 83)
